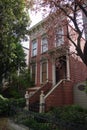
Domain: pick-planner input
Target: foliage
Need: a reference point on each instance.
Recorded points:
(17, 102)
(18, 84)
(69, 117)
(12, 92)
(31, 123)
(73, 114)
(7, 104)
(25, 79)
(4, 109)
(14, 21)
(72, 11)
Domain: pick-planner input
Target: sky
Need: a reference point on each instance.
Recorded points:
(35, 18)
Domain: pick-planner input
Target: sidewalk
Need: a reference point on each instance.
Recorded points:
(4, 124)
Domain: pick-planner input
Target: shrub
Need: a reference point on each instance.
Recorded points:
(17, 102)
(74, 114)
(9, 106)
(31, 123)
(4, 107)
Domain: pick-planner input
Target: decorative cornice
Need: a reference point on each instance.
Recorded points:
(43, 58)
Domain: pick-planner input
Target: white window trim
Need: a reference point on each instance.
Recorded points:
(62, 38)
(41, 71)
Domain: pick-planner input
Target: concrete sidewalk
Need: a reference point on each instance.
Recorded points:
(7, 124)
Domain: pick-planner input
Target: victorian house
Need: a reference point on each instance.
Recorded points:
(54, 66)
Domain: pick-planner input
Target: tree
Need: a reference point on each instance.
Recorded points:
(18, 85)
(72, 9)
(14, 20)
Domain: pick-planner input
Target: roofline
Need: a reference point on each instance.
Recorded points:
(34, 26)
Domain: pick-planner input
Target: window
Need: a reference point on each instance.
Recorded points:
(44, 44)
(34, 48)
(59, 36)
(33, 72)
(44, 71)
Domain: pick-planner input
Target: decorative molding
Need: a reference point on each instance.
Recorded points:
(43, 58)
(32, 61)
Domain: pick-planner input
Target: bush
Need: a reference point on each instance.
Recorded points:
(17, 102)
(73, 114)
(31, 123)
(9, 106)
(4, 107)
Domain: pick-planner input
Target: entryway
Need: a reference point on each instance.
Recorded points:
(60, 69)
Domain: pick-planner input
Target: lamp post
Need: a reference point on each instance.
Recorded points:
(27, 100)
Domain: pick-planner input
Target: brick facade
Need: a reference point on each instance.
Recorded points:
(61, 95)
(72, 70)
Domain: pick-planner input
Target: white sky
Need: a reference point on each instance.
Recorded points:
(35, 18)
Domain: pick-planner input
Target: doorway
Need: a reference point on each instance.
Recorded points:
(60, 69)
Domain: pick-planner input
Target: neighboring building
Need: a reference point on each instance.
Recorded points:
(26, 51)
(54, 70)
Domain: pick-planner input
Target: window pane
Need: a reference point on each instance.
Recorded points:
(44, 44)
(34, 45)
(34, 52)
(44, 77)
(34, 48)
(44, 67)
(59, 36)
(44, 71)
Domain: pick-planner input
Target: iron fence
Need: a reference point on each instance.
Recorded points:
(20, 115)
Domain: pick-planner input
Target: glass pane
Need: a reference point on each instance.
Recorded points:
(34, 48)
(44, 44)
(44, 71)
(44, 67)
(34, 52)
(44, 77)
(44, 48)
(34, 45)
(59, 36)
(44, 41)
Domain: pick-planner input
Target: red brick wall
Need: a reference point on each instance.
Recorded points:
(61, 95)
(37, 58)
(46, 87)
(78, 70)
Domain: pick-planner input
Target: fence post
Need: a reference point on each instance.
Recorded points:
(27, 100)
(42, 103)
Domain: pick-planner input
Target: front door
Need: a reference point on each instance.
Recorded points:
(60, 71)
(57, 74)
